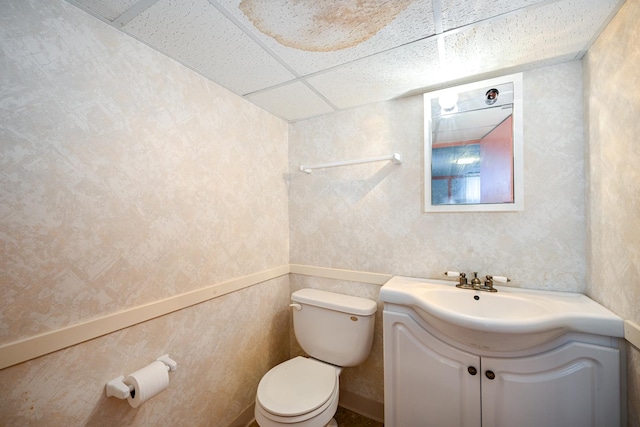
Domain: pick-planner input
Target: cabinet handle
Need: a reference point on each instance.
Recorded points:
(490, 374)
(472, 370)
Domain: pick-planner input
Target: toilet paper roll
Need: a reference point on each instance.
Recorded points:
(147, 382)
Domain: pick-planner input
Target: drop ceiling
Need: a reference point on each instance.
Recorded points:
(303, 58)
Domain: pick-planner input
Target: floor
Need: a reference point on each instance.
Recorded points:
(346, 418)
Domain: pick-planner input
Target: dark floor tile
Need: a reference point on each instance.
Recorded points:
(346, 418)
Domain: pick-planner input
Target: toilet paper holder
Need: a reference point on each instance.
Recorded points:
(117, 387)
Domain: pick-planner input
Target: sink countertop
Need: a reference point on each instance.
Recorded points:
(508, 311)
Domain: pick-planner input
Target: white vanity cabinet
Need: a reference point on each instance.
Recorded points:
(575, 384)
(432, 382)
(426, 381)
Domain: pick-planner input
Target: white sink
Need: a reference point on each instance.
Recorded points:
(509, 320)
(449, 301)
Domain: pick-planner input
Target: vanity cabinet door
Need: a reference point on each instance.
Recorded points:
(574, 385)
(427, 382)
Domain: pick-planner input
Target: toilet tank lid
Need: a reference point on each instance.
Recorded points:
(333, 301)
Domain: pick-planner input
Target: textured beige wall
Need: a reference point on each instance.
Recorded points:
(612, 96)
(368, 217)
(125, 179)
(222, 347)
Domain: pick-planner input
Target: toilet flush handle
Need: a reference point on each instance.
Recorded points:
(296, 306)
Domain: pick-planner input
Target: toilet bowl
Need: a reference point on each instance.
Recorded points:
(301, 392)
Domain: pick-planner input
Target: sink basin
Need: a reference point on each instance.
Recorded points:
(448, 302)
(511, 319)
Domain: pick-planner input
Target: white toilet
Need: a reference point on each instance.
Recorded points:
(336, 331)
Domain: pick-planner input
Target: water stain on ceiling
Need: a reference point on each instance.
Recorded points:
(319, 26)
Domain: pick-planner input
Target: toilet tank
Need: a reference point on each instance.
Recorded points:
(334, 328)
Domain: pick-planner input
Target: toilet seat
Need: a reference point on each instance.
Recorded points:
(320, 417)
(298, 390)
(297, 386)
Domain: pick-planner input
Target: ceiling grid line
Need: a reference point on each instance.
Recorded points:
(267, 49)
(133, 12)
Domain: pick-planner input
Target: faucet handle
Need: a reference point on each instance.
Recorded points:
(498, 279)
(488, 283)
(462, 276)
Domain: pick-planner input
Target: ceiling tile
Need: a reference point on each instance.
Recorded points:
(353, 53)
(297, 31)
(198, 35)
(292, 102)
(108, 9)
(457, 13)
(557, 31)
(381, 77)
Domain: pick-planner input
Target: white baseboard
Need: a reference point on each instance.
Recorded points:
(362, 405)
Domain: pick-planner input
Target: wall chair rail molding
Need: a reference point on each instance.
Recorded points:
(39, 345)
(339, 274)
(632, 333)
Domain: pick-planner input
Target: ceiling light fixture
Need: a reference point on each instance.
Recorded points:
(449, 103)
(491, 96)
